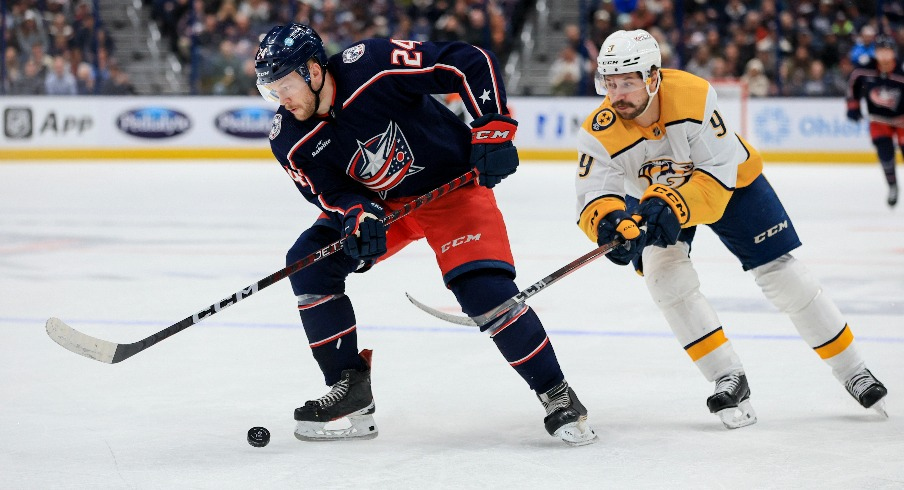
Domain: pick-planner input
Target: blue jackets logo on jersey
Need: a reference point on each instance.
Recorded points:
(383, 162)
(666, 172)
(886, 97)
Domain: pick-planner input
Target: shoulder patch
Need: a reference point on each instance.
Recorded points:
(603, 119)
(352, 54)
(275, 126)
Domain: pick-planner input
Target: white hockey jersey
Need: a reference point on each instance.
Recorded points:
(690, 149)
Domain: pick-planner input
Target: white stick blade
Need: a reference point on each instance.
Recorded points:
(84, 345)
(459, 320)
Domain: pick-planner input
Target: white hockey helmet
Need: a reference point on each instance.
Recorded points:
(627, 52)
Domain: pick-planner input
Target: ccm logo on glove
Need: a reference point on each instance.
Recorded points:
(494, 132)
(493, 154)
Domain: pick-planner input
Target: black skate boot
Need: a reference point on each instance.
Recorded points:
(566, 417)
(867, 390)
(892, 194)
(731, 401)
(350, 398)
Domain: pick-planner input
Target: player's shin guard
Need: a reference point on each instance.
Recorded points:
(789, 286)
(794, 291)
(886, 150)
(329, 323)
(675, 288)
(521, 339)
(518, 334)
(892, 179)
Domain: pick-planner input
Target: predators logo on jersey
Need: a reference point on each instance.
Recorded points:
(603, 119)
(666, 172)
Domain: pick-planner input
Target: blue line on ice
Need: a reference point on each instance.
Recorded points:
(413, 328)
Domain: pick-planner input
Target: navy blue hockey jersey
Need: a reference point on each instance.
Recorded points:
(884, 92)
(386, 136)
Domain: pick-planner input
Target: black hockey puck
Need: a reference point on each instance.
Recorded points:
(258, 436)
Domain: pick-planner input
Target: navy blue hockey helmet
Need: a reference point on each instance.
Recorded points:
(286, 49)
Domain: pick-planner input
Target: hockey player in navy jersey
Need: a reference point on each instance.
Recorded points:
(880, 80)
(360, 135)
(657, 158)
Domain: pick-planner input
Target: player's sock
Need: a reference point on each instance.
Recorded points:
(888, 166)
(329, 323)
(518, 334)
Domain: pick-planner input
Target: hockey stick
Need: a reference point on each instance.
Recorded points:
(522, 296)
(112, 352)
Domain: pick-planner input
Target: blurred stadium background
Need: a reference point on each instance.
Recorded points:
(778, 50)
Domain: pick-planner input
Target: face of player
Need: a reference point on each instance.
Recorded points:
(293, 93)
(885, 58)
(628, 94)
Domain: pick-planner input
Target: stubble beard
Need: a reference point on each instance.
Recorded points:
(303, 111)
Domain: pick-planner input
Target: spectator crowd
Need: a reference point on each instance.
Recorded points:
(58, 47)
(777, 47)
(218, 37)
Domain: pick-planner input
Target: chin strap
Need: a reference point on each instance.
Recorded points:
(322, 84)
(651, 94)
(317, 93)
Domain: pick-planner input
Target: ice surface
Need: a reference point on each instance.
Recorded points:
(122, 250)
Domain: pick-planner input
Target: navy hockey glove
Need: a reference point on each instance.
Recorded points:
(663, 211)
(492, 152)
(853, 112)
(620, 224)
(365, 234)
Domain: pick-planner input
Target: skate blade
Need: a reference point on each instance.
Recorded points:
(577, 433)
(361, 427)
(879, 407)
(737, 417)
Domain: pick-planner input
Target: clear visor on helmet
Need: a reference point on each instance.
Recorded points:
(610, 85)
(285, 86)
(268, 92)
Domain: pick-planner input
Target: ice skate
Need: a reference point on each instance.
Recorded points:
(868, 391)
(892, 194)
(346, 412)
(731, 401)
(566, 417)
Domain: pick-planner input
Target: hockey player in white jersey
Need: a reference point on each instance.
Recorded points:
(656, 159)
